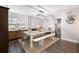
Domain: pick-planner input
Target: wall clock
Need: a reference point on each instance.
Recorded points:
(70, 20)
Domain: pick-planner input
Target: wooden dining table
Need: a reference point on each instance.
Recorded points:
(32, 34)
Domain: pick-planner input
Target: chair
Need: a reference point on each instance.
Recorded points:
(24, 36)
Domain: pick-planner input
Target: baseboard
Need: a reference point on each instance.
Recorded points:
(75, 41)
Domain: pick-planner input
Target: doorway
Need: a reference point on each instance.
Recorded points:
(58, 28)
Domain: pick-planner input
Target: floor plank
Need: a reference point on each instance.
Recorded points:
(63, 46)
(60, 46)
(15, 47)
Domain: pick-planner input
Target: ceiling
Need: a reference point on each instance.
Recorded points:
(59, 8)
(47, 9)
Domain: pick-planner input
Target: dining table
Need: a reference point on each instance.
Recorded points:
(32, 34)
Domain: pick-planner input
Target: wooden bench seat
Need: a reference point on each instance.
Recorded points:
(42, 38)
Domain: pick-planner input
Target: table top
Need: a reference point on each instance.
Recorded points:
(35, 32)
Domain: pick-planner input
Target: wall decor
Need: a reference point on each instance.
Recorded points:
(70, 19)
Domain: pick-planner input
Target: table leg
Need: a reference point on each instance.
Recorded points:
(31, 41)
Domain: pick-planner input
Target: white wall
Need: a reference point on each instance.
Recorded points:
(70, 31)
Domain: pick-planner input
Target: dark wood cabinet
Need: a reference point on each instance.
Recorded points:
(14, 35)
(3, 29)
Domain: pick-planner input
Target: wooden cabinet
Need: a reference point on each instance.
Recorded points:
(14, 35)
(3, 29)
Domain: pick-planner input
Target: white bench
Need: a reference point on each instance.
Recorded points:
(42, 38)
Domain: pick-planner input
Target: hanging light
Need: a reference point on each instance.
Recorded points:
(41, 14)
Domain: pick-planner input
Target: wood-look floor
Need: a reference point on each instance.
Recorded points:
(60, 46)
(15, 47)
(63, 46)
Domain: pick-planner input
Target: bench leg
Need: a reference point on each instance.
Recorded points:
(41, 43)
